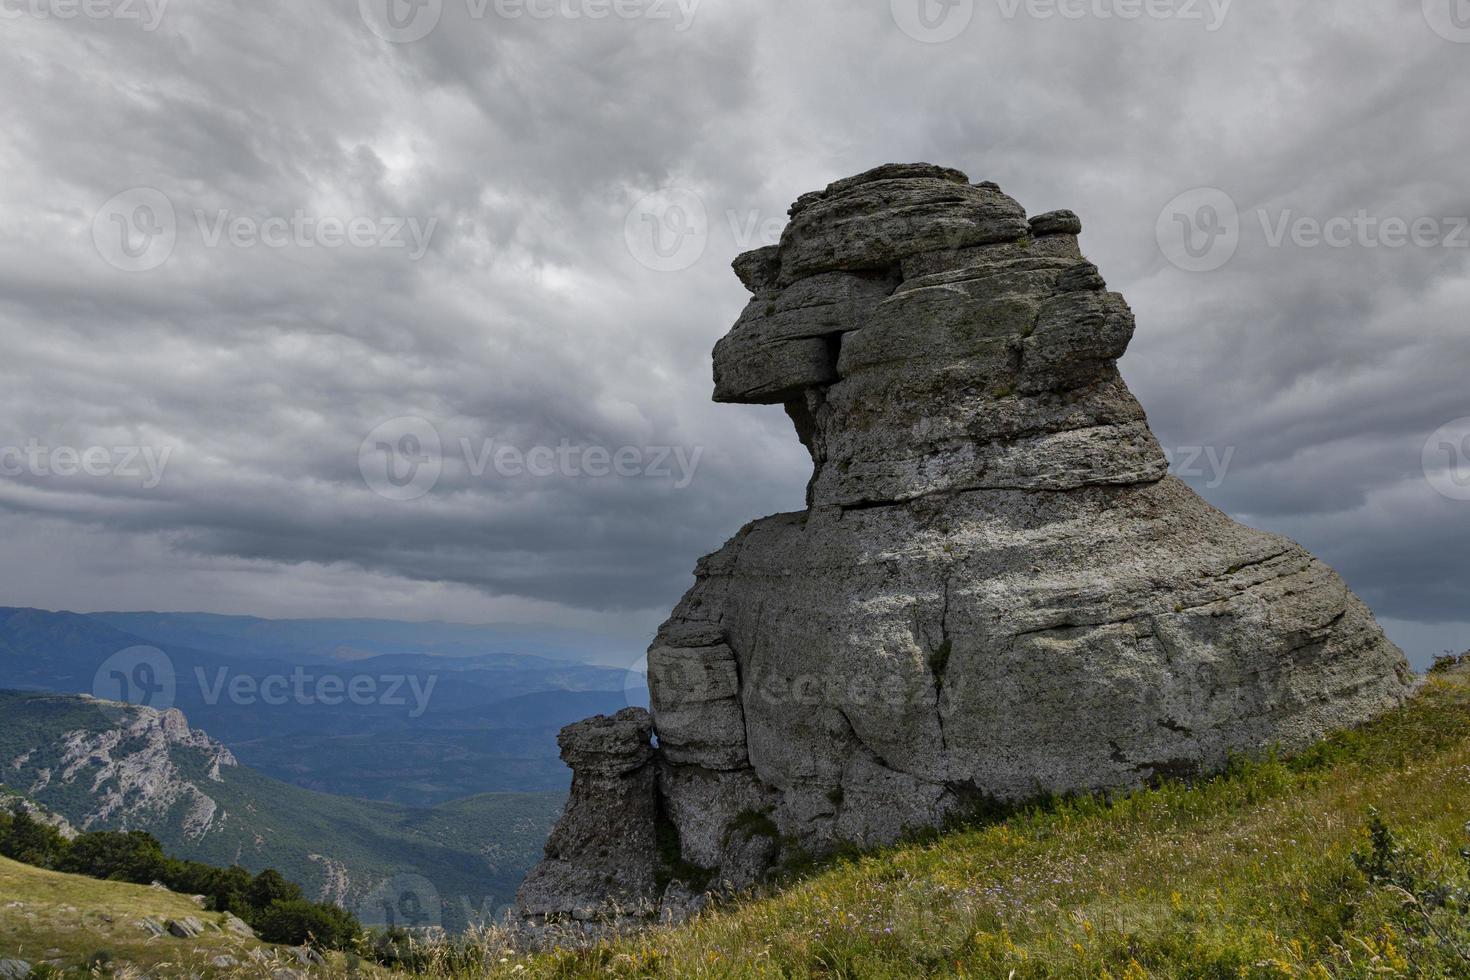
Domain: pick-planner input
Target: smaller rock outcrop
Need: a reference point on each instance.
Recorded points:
(602, 858)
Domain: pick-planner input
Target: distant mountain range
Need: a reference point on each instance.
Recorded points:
(110, 766)
(317, 640)
(411, 713)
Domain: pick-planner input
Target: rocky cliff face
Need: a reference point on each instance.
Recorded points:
(996, 589)
(127, 775)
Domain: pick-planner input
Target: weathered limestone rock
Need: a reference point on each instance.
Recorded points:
(185, 928)
(785, 340)
(996, 590)
(601, 860)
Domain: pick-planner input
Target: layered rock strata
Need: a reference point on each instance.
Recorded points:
(996, 591)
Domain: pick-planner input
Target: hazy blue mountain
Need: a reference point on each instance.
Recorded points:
(310, 640)
(431, 726)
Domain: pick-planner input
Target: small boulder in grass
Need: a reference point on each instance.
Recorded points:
(14, 969)
(185, 928)
(307, 956)
(238, 926)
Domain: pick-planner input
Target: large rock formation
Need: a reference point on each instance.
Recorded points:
(996, 590)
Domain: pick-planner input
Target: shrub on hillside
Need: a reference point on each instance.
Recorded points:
(25, 839)
(298, 922)
(224, 887)
(270, 887)
(1447, 662)
(132, 856)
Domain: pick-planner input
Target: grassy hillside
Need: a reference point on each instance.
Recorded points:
(70, 921)
(466, 858)
(1272, 870)
(1347, 861)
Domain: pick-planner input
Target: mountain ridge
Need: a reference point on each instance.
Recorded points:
(113, 766)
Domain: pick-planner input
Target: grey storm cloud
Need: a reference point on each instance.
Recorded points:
(495, 288)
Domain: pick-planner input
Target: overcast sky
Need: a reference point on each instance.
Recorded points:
(255, 251)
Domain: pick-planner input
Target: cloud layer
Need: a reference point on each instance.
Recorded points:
(448, 231)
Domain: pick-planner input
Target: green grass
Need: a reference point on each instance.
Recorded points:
(47, 916)
(1342, 862)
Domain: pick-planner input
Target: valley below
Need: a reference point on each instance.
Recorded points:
(423, 800)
